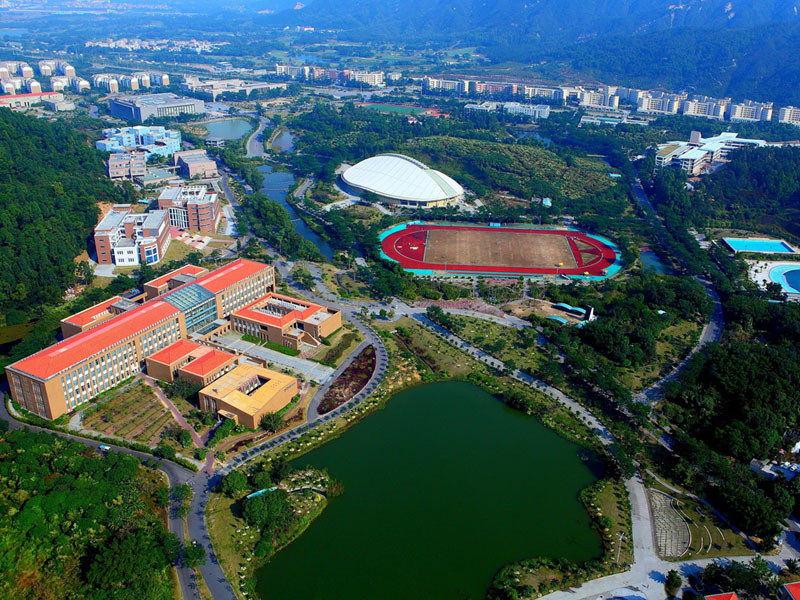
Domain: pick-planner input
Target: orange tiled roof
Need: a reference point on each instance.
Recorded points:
(207, 363)
(184, 270)
(87, 316)
(232, 273)
(725, 596)
(249, 312)
(793, 589)
(67, 353)
(175, 352)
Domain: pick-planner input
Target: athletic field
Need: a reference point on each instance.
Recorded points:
(442, 248)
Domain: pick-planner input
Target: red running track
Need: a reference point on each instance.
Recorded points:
(407, 247)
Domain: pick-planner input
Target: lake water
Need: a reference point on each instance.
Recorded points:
(284, 141)
(441, 489)
(276, 186)
(228, 129)
(650, 260)
(527, 133)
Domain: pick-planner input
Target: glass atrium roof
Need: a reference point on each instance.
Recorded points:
(188, 297)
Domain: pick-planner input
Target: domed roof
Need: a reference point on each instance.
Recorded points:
(401, 177)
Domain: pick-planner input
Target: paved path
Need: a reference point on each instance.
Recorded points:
(176, 414)
(255, 143)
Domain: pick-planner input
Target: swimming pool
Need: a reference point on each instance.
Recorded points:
(788, 276)
(758, 245)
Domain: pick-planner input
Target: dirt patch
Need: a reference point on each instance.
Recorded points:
(497, 247)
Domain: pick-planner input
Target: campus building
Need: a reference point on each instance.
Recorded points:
(247, 393)
(191, 362)
(174, 279)
(704, 106)
(126, 238)
(535, 111)
(751, 111)
(286, 321)
(28, 100)
(127, 165)
(157, 141)
(141, 108)
(191, 207)
(195, 163)
(60, 378)
(699, 153)
(215, 87)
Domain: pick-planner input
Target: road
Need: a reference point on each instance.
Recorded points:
(255, 143)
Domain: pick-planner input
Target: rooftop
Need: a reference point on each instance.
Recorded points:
(269, 383)
(175, 352)
(65, 354)
(277, 310)
(230, 274)
(725, 596)
(208, 362)
(92, 314)
(184, 270)
(793, 589)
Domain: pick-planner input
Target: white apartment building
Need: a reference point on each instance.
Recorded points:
(536, 111)
(704, 106)
(371, 78)
(662, 104)
(789, 114)
(751, 111)
(592, 99)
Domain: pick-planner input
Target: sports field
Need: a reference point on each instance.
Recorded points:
(442, 248)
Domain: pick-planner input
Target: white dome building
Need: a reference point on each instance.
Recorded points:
(402, 181)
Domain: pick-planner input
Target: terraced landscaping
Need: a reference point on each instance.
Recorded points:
(133, 413)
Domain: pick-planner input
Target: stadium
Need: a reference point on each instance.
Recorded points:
(399, 180)
(495, 251)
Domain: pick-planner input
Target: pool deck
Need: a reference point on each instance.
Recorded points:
(762, 272)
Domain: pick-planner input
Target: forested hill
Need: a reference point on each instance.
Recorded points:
(50, 182)
(548, 22)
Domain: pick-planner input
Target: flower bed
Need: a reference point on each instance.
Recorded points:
(350, 382)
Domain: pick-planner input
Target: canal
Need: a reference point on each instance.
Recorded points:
(441, 488)
(276, 186)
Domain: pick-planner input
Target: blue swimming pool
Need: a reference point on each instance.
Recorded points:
(754, 245)
(788, 275)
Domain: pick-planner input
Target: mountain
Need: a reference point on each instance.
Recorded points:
(546, 23)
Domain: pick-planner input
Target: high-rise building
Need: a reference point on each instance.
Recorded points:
(191, 207)
(751, 111)
(789, 114)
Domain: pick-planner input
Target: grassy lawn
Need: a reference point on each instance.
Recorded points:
(342, 344)
(178, 251)
(672, 345)
(498, 340)
(612, 502)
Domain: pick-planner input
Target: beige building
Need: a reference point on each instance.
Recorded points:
(247, 393)
(195, 163)
(191, 362)
(789, 114)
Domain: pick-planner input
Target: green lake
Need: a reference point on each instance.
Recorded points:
(441, 489)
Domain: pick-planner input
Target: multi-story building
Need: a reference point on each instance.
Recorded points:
(592, 99)
(129, 82)
(789, 114)
(154, 140)
(174, 279)
(535, 91)
(28, 100)
(371, 78)
(699, 153)
(536, 111)
(215, 87)
(191, 362)
(195, 163)
(141, 108)
(58, 83)
(751, 111)
(126, 238)
(79, 84)
(247, 393)
(65, 69)
(127, 165)
(106, 81)
(704, 106)
(286, 321)
(191, 207)
(659, 104)
(68, 374)
(443, 85)
(47, 67)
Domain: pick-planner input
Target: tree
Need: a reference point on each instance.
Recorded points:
(184, 438)
(280, 469)
(262, 480)
(193, 555)
(233, 484)
(793, 566)
(271, 422)
(270, 511)
(672, 584)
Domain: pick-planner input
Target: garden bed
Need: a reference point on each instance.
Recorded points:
(350, 382)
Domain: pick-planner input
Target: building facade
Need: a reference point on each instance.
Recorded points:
(789, 114)
(141, 108)
(127, 165)
(126, 238)
(157, 141)
(191, 207)
(66, 375)
(195, 163)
